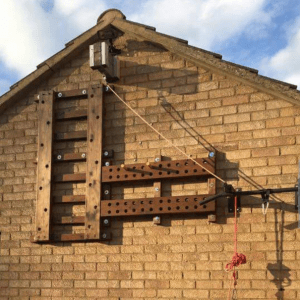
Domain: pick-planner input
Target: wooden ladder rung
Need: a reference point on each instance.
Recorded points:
(75, 135)
(70, 94)
(69, 199)
(71, 115)
(68, 157)
(79, 177)
(75, 220)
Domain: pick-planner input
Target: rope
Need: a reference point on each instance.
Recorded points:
(160, 134)
(237, 259)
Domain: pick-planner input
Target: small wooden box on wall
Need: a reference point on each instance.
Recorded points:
(102, 59)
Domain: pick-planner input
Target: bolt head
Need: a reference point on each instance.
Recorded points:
(107, 163)
(104, 235)
(83, 155)
(211, 154)
(157, 159)
(105, 221)
(83, 92)
(156, 189)
(59, 95)
(105, 153)
(59, 157)
(106, 192)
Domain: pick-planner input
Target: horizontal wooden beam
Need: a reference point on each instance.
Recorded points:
(75, 135)
(71, 94)
(69, 199)
(157, 205)
(71, 115)
(79, 177)
(73, 220)
(70, 157)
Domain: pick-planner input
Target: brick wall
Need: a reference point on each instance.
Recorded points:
(256, 137)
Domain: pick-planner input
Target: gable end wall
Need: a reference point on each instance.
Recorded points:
(257, 140)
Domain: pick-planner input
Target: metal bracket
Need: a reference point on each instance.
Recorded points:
(231, 204)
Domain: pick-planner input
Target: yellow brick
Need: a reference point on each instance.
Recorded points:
(245, 90)
(221, 93)
(196, 294)
(208, 86)
(280, 122)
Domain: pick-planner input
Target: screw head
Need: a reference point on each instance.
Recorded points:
(106, 192)
(83, 92)
(211, 154)
(107, 164)
(59, 95)
(83, 155)
(157, 159)
(156, 189)
(106, 88)
(104, 235)
(105, 221)
(105, 153)
(58, 157)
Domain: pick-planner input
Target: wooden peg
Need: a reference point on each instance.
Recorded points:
(124, 167)
(148, 164)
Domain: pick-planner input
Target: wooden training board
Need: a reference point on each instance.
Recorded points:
(94, 163)
(45, 133)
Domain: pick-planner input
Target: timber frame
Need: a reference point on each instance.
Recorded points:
(100, 175)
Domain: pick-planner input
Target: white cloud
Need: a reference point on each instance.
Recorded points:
(29, 34)
(285, 64)
(205, 23)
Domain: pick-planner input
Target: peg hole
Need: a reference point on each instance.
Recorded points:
(40, 188)
(95, 207)
(45, 209)
(96, 162)
(204, 206)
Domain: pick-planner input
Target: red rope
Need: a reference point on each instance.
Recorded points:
(238, 258)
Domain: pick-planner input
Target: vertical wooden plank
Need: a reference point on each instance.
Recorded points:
(44, 166)
(94, 163)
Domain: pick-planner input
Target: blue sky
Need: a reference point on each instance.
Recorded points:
(262, 34)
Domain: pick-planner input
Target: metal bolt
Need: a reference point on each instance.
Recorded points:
(211, 154)
(106, 88)
(38, 96)
(59, 157)
(156, 218)
(157, 159)
(106, 192)
(104, 235)
(59, 95)
(105, 221)
(156, 189)
(105, 153)
(83, 155)
(84, 92)
(107, 163)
